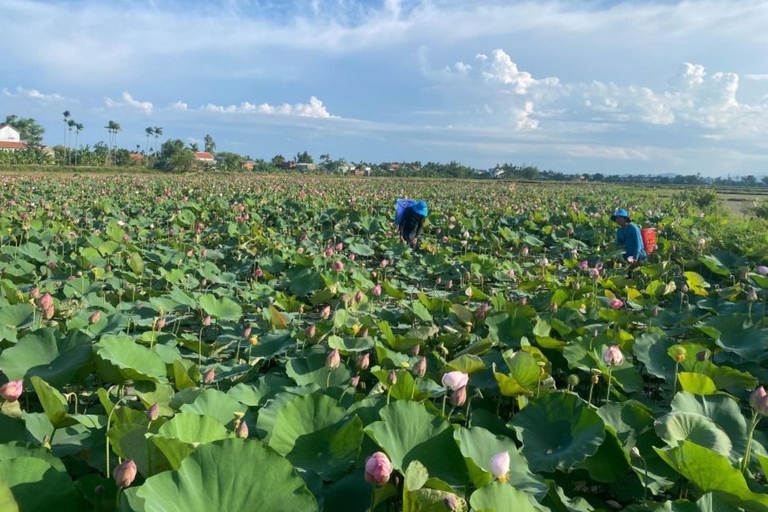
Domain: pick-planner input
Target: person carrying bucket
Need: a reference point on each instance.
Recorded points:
(630, 237)
(409, 218)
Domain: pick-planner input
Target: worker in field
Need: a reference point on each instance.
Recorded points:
(409, 218)
(630, 237)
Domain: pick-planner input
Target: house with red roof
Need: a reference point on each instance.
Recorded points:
(10, 138)
(204, 157)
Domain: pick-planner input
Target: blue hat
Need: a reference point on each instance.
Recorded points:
(421, 208)
(621, 212)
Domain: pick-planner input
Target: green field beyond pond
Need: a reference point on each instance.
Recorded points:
(243, 342)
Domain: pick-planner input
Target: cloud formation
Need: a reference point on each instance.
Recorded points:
(314, 108)
(128, 100)
(33, 94)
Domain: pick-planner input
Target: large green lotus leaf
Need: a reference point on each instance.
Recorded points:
(47, 354)
(209, 479)
(272, 344)
(676, 427)
(14, 450)
(498, 497)
(15, 317)
(707, 503)
(409, 432)
(129, 441)
(165, 454)
(478, 446)
(7, 503)
(610, 463)
(651, 350)
(224, 308)
(194, 428)
(218, 405)
(13, 429)
(711, 472)
(524, 377)
(558, 431)
(36, 485)
(733, 333)
(54, 404)
(254, 395)
(267, 417)
(312, 370)
(312, 432)
(353, 494)
(120, 358)
(726, 414)
(696, 383)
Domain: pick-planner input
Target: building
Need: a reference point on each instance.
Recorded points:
(10, 138)
(248, 165)
(301, 166)
(204, 157)
(136, 157)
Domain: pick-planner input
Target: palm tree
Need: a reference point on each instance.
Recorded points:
(78, 128)
(71, 123)
(66, 132)
(194, 147)
(113, 127)
(149, 131)
(158, 132)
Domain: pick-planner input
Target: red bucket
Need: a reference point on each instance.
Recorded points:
(649, 239)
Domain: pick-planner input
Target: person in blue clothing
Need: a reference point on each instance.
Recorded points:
(629, 236)
(412, 222)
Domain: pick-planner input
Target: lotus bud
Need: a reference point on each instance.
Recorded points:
(125, 473)
(615, 304)
(161, 323)
(684, 288)
(95, 317)
(333, 359)
(553, 307)
(635, 452)
(744, 275)
(209, 376)
(311, 331)
(415, 350)
(758, 399)
(752, 295)
(242, 430)
(459, 396)
(701, 242)
(46, 443)
(455, 380)
(153, 412)
(253, 340)
(392, 378)
(359, 297)
(48, 313)
(655, 311)
(355, 381)
(613, 356)
(762, 270)
(378, 468)
(383, 263)
(11, 391)
(420, 368)
(499, 466)
(364, 361)
(98, 490)
(45, 302)
(207, 321)
(329, 252)
(573, 380)
(523, 301)
(524, 251)
(258, 273)
(451, 502)
(594, 273)
(584, 265)
(468, 291)
(701, 356)
(377, 290)
(247, 332)
(678, 353)
(338, 266)
(326, 312)
(35, 292)
(511, 273)
(364, 334)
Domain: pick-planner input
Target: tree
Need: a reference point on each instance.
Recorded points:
(29, 131)
(71, 124)
(67, 116)
(194, 147)
(304, 158)
(210, 144)
(149, 132)
(78, 128)
(158, 132)
(112, 128)
(175, 157)
(278, 160)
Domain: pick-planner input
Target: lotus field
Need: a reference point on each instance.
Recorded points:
(232, 343)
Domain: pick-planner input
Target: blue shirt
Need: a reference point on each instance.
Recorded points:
(629, 236)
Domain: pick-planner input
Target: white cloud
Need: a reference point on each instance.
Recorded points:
(758, 77)
(314, 108)
(128, 100)
(179, 105)
(34, 94)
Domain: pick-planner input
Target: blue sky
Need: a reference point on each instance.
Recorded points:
(573, 86)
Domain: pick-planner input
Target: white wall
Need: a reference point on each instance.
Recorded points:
(8, 134)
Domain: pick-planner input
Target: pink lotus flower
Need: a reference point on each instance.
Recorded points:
(329, 252)
(11, 391)
(333, 359)
(459, 396)
(524, 251)
(613, 356)
(377, 290)
(455, 380)
(311, 331)
(45, 302)
(584, 265)
(258, 272)
(364, 361)
(125, 473)
(338, 266)
(326, 312)
(378, 467)
(339, 247)
(209, 376)
(420, 368)
(242, 430)
(207, 320)
(759, 401)
(510, 273)
(615, 304)
(392, 378)
(94, 318)
(153, 412)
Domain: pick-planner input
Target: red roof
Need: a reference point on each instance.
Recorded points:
(202, 155)
(12, 145)
(136, 156)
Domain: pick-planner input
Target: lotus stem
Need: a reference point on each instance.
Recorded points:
(445, 397)
(608, 394)
(200, 348)
(677, 369)
(109, 422)
(748, 452)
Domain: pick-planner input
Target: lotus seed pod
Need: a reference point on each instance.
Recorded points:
(153, 412)
(253, 340)
(678, 353)
(573, 380)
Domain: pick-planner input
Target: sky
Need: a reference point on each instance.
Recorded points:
(575, 86)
